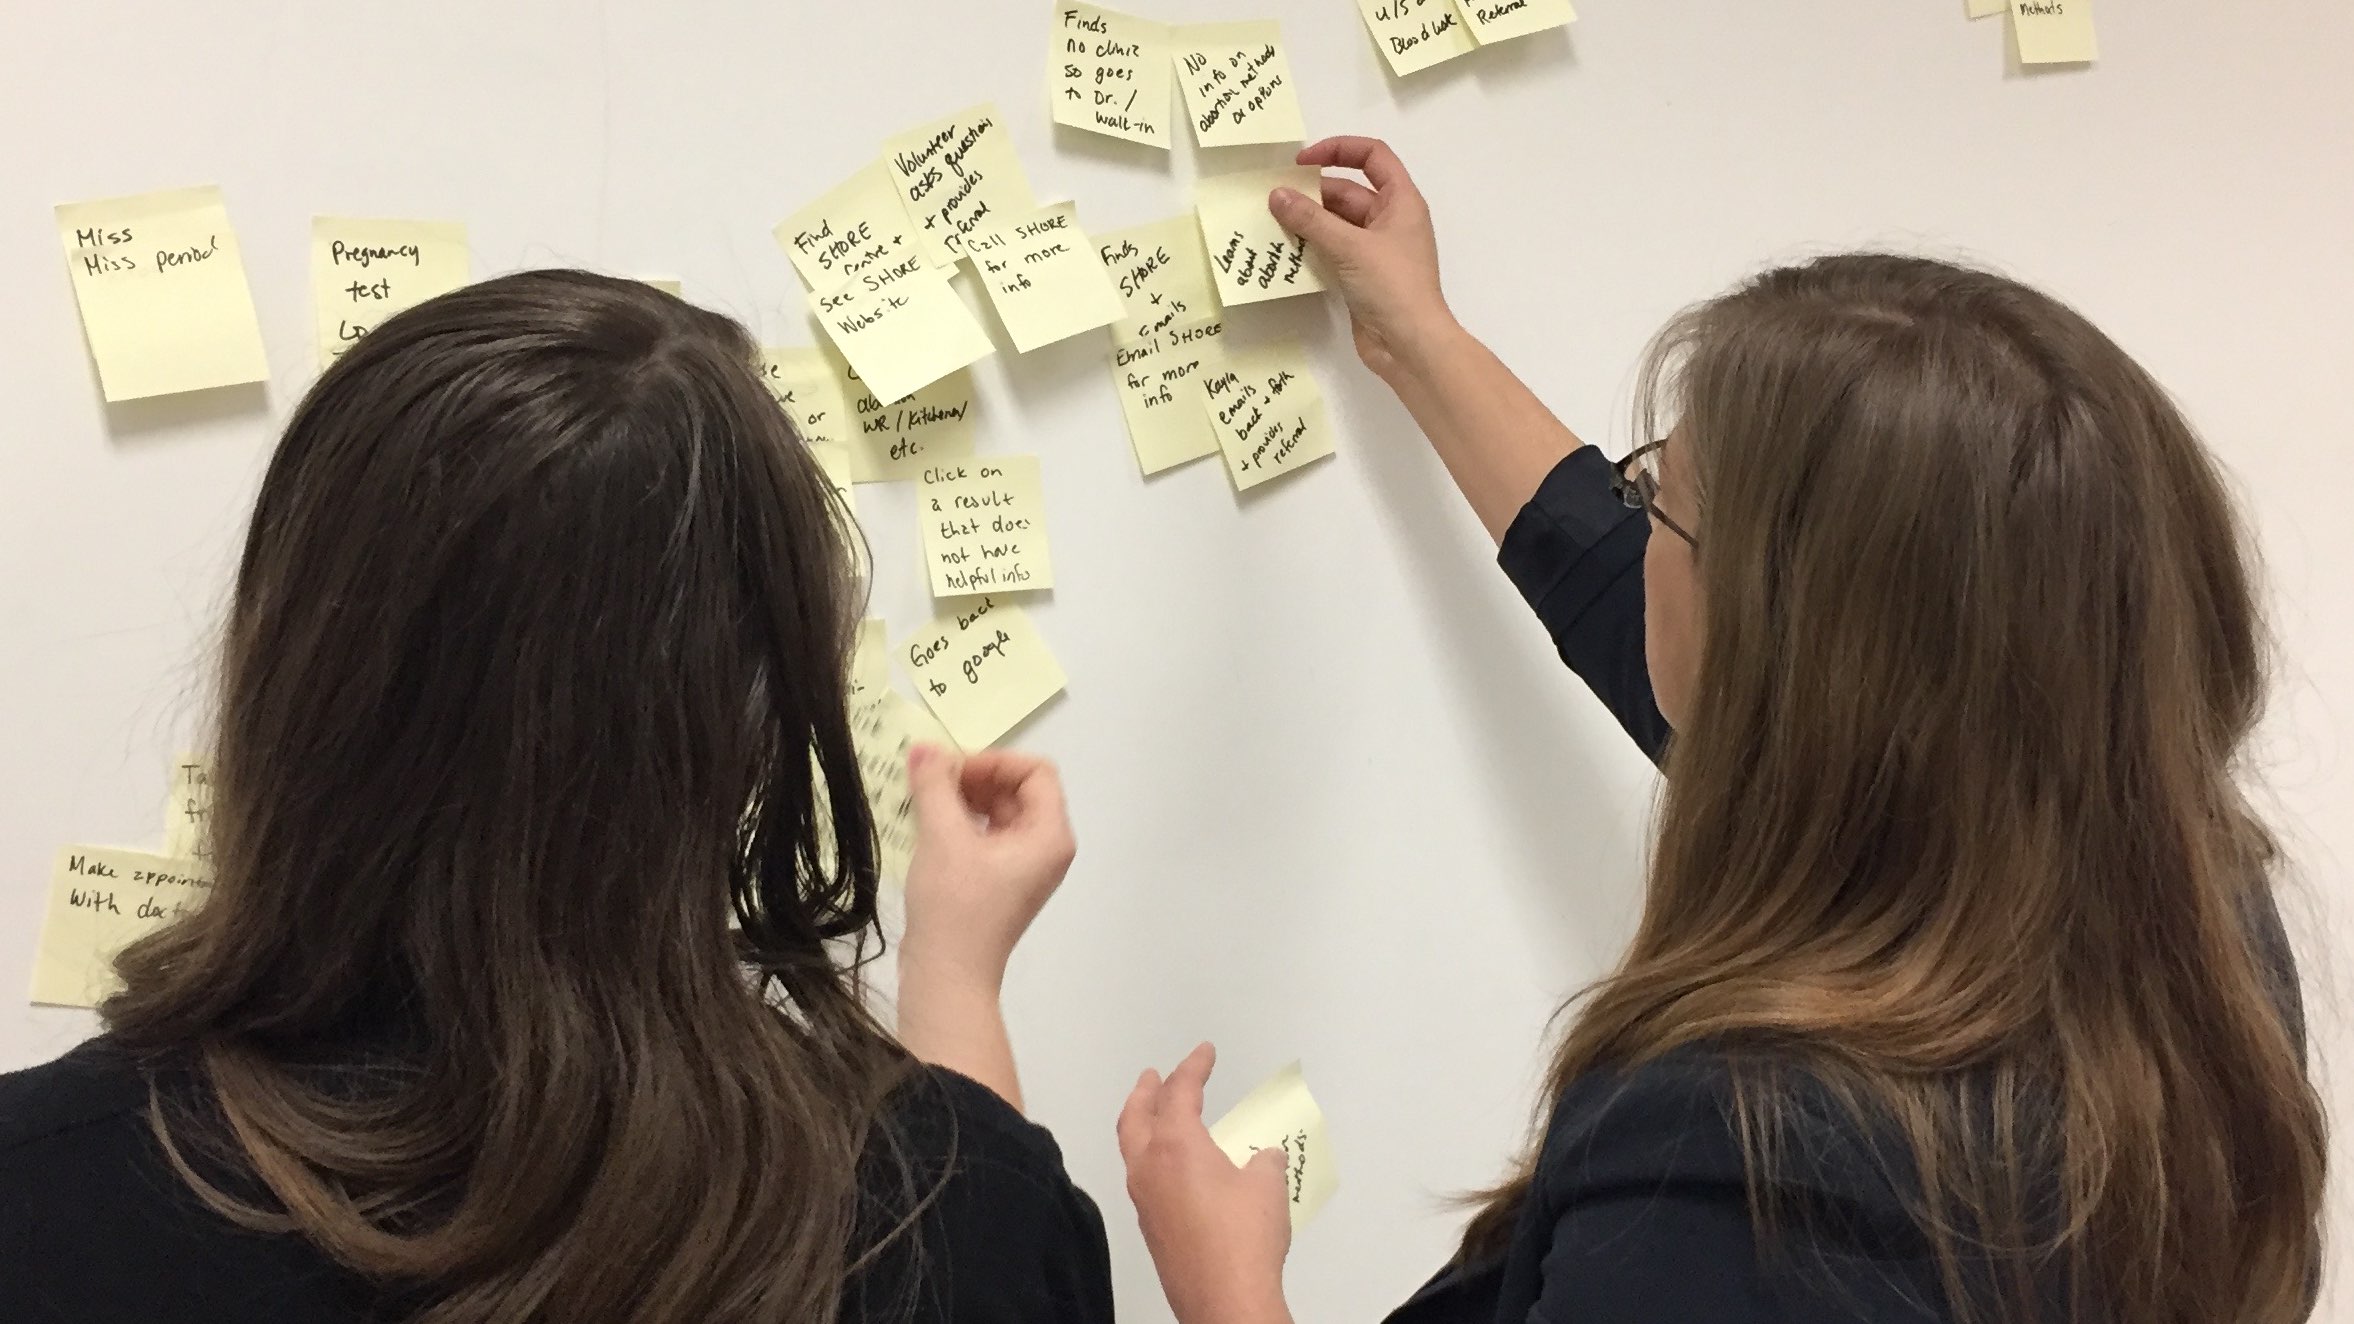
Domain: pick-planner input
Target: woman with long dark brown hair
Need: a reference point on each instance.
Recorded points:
(528, 989)
(1959, 992)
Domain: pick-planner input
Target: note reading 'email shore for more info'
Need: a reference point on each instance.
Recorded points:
(1267, 412)
(364, 271)
(1110, 74)
(981, 668)
(1281, 1114)
(162, 291)
(1159, 383)
(100, 901)
(1252, 257)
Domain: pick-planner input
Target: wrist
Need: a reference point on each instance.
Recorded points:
(1422, 345)
(945, 969)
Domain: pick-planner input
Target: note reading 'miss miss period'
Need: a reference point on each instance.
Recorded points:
(984, 526)
(100, 901)
(1163, 277)
(1267, 413)
(2054, 31)
(981, 668)
(364, 271)
(902, 327)
(1159, 383)
(162, 291)
(860, 224)
(1281, 1114)
(1415, 34)
(957, 174)
(1042, 275)
(1109, 74)
(1238, 84)
(1252, 257)
(1492, 21)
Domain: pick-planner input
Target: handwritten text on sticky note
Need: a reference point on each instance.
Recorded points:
(1041, 273)
(1267, 413)
(1415, 34)
(188, 809)
(1238, 84)
(1281, 1114)
(1159, 383)
(902, 327)
(1501, 20)
(1111, 74)
(859, 225)
(957, 174)
(162, 290)
(100, 901)
(363, 271)
(895, 441)
(1162, 275)
(2054, 31)
(1253, 258)
(984, 526)
(981, 667)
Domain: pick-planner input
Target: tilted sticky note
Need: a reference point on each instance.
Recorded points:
(1238, 84)
(162, 291)
(2054, 31)
(902, 327)
(1985, 8)
(860, 224)
(1492, 21)
(882, 731)
(362, 272)
(895, 441)
(1159, 384)
(187, 810)
(1109, 73)
(957, 174)
(981, 668)
(984, 526)
(1042, 274)
(1252, 257)
(1267, 412)
(1162, 275)
(100, 901)
(667, 284)
(1281, 1114)
(1415, 34)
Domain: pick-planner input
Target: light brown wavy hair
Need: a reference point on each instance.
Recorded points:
(1953, 827)
(534, 678)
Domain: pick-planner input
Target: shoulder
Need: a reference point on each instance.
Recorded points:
(97, 1084)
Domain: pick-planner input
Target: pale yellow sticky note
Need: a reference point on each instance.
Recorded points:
(1267, 413)
(895, 441)
(162, 290)
(810, 384)
(1162, 275)
(1492, 21)
(957, 175)
(902, 327)
(1108, 73)
(663, 283)
(860, 224)
(1238, 84)
(981, 668)
(100, 901)
(2054, 31)
(1281, 1114)
(363, 271)
(870, 660)
(883, 730)
(1252, 257)
(1042, 275)
(984, 526)
(187, 810)
(1415, 34)
(1159, 383)
(1985, 8)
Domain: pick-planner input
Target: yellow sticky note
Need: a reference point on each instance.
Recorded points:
(1159, 383)
(1108, 73)
(870, 660)
(663, 283)
(981, 668)
(1985, 8)
(957, 175)
(860, 224)
(162, 291)
(187, 810)
(895, 441)
(1252, 258)
(1041, 273)
(1238, 84)
(100, 901)
(902, 327)
(1415, 34)
(984, 526)
(1281, 1114)
(2054, 31)
(883, 730)
(1492, 21)
(362, 272)
(1162, 275)
(810, 384)
(1267, 413)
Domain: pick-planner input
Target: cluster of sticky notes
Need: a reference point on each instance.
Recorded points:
(162, 291)
(101, 900)
(984, 526)
(2045, 31)
(982, 668)
(1281, 1114)
(364, 271)
(884, 726)
(1110, 72)
(1413, 35)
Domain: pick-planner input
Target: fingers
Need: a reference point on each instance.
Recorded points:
(1306, 217)
(1272, 1164)
(1135, 1128)
(1372, 156)
(932, 776)
(1349, 200)
(1181, 1099)
(1015, 791)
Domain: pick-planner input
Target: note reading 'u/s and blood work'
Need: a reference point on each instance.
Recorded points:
(162, 292)
(1159, 384)
(1492, 21)
(957, 175)
(1415, 34)
(1042, 274)
(981, 668)
(984, 526)
(1267, 413)
(2054, 31)
(1238, 84)
(1281, 1114)
(1253, 258)
(1163, 277)
(860, 224)
(364, 271)
(902, 327)
(188, 809)
(1110, 74)
(100, 901)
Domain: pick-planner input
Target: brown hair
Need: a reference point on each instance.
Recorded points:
(1952, 826)
(534, 672)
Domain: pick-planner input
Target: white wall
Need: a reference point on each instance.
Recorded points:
(1336, 797)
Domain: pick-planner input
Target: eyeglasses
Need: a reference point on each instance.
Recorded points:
(1636, 480)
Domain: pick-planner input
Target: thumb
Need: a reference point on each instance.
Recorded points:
(1306, 217)
(932, 785)
(1269, 1166)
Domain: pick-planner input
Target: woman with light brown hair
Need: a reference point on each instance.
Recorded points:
(1959, 992)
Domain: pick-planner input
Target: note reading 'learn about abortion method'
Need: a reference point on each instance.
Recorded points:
(981, 668)
(1238, 84)
(984, 526)
(364, 271)
(100, 901)
(1251, 256)
(1281, 1114)
(162, 290)
(1110, 74)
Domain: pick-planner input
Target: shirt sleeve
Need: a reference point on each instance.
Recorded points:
(1575, 552)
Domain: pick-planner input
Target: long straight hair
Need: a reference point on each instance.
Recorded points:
(1952, 826)
(534, 678)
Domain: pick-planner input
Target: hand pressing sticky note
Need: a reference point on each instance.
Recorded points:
(895, 441)
(1415, 34)
(1238, 84)
(362, 272)
(1252, 258)
(1492, 21)
(1267, 413)
(162, 291)
(902, 327)
(1281, 1114)
(1159, 383)
(859, 225)
(984, 526)
(100, 901)
(2054, 31)
(1041, 273)
(1163, 277)
(1109, 74)
(981, 668)
(187, 811)
(957, 175)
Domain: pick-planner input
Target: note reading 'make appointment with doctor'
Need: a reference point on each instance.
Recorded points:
(162, 292)
(100, 901)
(364, 271)
(984, 523)
(1238, 84)
(1110, 74)
(981, 668)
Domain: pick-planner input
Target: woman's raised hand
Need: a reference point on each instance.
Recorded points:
(992, 843)
(1378, 244)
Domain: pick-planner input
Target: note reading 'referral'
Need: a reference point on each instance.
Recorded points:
(860, 224)
(957, 174)
(1159, 383)
(162, 290)
(984, 526)
(1492, 21)
(1238, 84)
(1041, 273)
(902, 327)
(981, 668)
(1415, 34)
(2054, 31)
(188, 810)
(1281, 1114)
(1253, 258)
(362, 272)
(1162, 275)
(1266, 412)
(100, 901)
(1110, 74)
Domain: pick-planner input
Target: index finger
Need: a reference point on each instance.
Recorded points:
(1184, 1090)
(1030, 782)
(1370, 155)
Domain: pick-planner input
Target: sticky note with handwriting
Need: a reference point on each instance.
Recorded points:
(100, 901)
(1415, 34)
(895, 441)
(1043, 277)
(860, 223)
(1238, 84)
(1492, 21)
(187, 810)
(1163, 276)
(1159, 383)
(981, 668)
(1252, 258)
(984, 526)
(2054, 31)
(882, 731)
(957, 174)
(902, 327)
(811, 385)
(1266, 411)
(1110, 74)
(363, 271)
(1281, 1114)
(162, 291)
(1985, 8)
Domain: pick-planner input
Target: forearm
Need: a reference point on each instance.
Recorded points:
(953, 1019)
(1496, 438)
